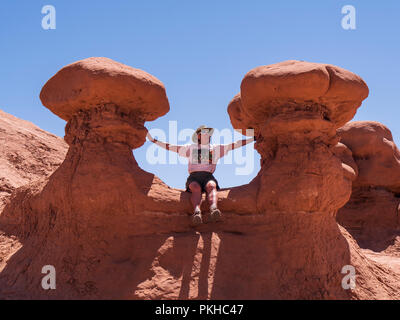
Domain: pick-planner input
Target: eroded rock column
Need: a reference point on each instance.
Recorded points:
(84, 218)
(306, 174)
(105, 104)
(372, 213)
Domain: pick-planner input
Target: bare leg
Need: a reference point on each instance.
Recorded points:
(195, 198)
(212, 195)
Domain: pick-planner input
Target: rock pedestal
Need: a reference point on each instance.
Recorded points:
(306, 176)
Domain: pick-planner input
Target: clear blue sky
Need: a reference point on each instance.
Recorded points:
(200, 50)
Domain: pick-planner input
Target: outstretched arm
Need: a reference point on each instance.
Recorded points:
(164, 145)
(239, 143)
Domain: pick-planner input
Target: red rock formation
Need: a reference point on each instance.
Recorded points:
(372, 214)
(27, 154)
(113, 230)
(295, 108)
(99, 200)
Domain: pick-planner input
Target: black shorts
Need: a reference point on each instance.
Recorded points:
(202, 177)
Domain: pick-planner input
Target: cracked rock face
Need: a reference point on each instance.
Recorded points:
(104, 125)
(372, 213)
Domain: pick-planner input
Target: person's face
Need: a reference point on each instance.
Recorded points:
(204, 136)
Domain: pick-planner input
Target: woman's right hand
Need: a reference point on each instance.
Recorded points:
(150, 137)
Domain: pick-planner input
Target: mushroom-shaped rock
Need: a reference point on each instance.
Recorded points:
(295, 108)
(85, 84)
(106, 99)
(320, 91)
(371, 215)
(106, 104)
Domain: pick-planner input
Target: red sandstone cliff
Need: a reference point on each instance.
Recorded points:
(113, 230)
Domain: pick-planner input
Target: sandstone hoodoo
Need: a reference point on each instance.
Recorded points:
(106, 104)
(295, 108)
(113, 230)
(94, 193)
(372, 213)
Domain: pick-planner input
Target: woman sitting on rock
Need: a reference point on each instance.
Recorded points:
(202, 158)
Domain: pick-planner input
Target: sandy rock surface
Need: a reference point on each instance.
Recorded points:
(27, 153)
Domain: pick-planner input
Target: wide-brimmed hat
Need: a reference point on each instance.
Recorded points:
(194, 136)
